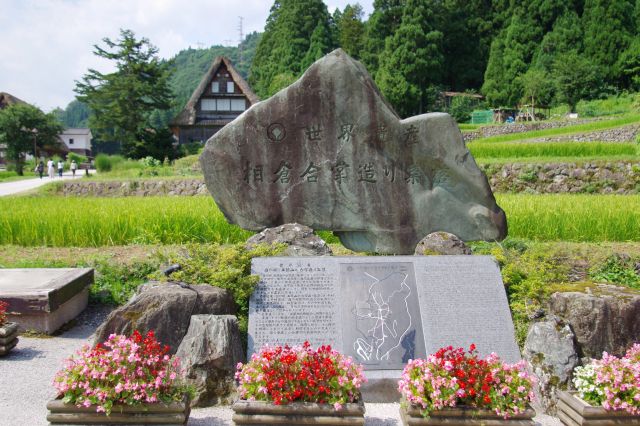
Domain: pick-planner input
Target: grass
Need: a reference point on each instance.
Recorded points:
(6, 176)
(94, 222)
(569, 217)
(620, 104)
(526, 150)
(565, 131)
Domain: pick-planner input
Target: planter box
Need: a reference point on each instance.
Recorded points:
(8, 337)
(176, 413)
(573, 411)
(296, 413)
(464, 416)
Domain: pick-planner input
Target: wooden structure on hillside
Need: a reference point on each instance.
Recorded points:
(221, 96)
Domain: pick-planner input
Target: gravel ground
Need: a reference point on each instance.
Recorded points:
(27, 372)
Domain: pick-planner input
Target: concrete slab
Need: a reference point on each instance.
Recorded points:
(44, 299)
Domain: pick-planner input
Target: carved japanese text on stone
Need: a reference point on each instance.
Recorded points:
(330, 153)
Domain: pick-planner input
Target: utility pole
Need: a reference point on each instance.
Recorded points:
(241, 39)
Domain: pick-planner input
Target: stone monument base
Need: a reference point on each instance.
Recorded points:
(382, 311)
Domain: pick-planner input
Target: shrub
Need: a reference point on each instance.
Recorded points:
(77, 157)
(617, 270)
(226, 267)
(286, 374)
(123, 370)
(451, 377)
(103, 163)
(613, 383)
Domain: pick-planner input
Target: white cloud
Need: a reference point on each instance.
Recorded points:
(47, 44)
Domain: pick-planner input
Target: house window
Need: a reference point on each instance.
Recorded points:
(208, 104)
(230, 87)
(237, 105)
(215, 87)
(223, 104)
(70, 141)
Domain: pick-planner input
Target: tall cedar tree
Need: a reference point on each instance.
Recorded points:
(286, 47)
(468, 29)
(121, 102)
(351, 30)
(382, 24)
(412, 61)
(608, 31)
(22, 126)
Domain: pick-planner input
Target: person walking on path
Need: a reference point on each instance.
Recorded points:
(73, 167)
(50, 170)
(60, 167)
(40, 168)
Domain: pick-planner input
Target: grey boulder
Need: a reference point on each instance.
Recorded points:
(606, 319)
(300, 240)
(209, 353)
(551, 355)
(166, 308)
(441, 243)
(329, 152)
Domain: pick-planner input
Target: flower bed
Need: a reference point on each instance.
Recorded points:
(126, 376)
(8, 331)
(455, 383)
(608, 390)
(299, 385)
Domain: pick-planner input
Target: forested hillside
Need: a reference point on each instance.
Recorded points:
(544, 52)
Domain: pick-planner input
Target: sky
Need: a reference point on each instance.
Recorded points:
(45, 45)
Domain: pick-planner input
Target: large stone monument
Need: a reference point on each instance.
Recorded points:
(329, 152)
(382, 311)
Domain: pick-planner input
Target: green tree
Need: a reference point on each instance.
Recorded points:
(629, 64)
(351, 30)
(608, 31)
(122, 102)
(412, 61)
(286, 46)
(537, 87)
(576, 78)
(76, 114)
(566, 35)
(22, 126)
(382, 24)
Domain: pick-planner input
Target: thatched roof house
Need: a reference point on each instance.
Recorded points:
(8, 100)
(221, 96)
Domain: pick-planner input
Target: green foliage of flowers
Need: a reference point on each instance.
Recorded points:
(286, 374)
(227, 267)
(123, 370)
(451, 377)
(612, 382)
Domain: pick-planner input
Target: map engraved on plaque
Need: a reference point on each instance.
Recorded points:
(294, 302)
(380, 314)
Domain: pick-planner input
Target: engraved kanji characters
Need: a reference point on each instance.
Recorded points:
(367, 173)
(411, 135)
(346, 132)
(311, 173)
(283, 172)
(340, 171)
(314, 132)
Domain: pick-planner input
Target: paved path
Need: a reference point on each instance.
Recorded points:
(15, 187)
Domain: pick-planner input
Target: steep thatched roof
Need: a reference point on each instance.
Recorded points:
(187, 116)
(8, 100)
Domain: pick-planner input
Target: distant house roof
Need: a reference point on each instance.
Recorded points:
(76, 131)
(8, 100)
(187, 116)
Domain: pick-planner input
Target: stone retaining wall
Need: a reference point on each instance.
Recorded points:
(605, 178)
(621, 134)
(599, 178)
(141, 187)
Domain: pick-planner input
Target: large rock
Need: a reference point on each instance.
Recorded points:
(551, 354)
(329, 152)
(607, 319)
(300, 240)
(441, 243)
(209, 353)
(166, 308)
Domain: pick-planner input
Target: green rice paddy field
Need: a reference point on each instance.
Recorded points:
(92, 222)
